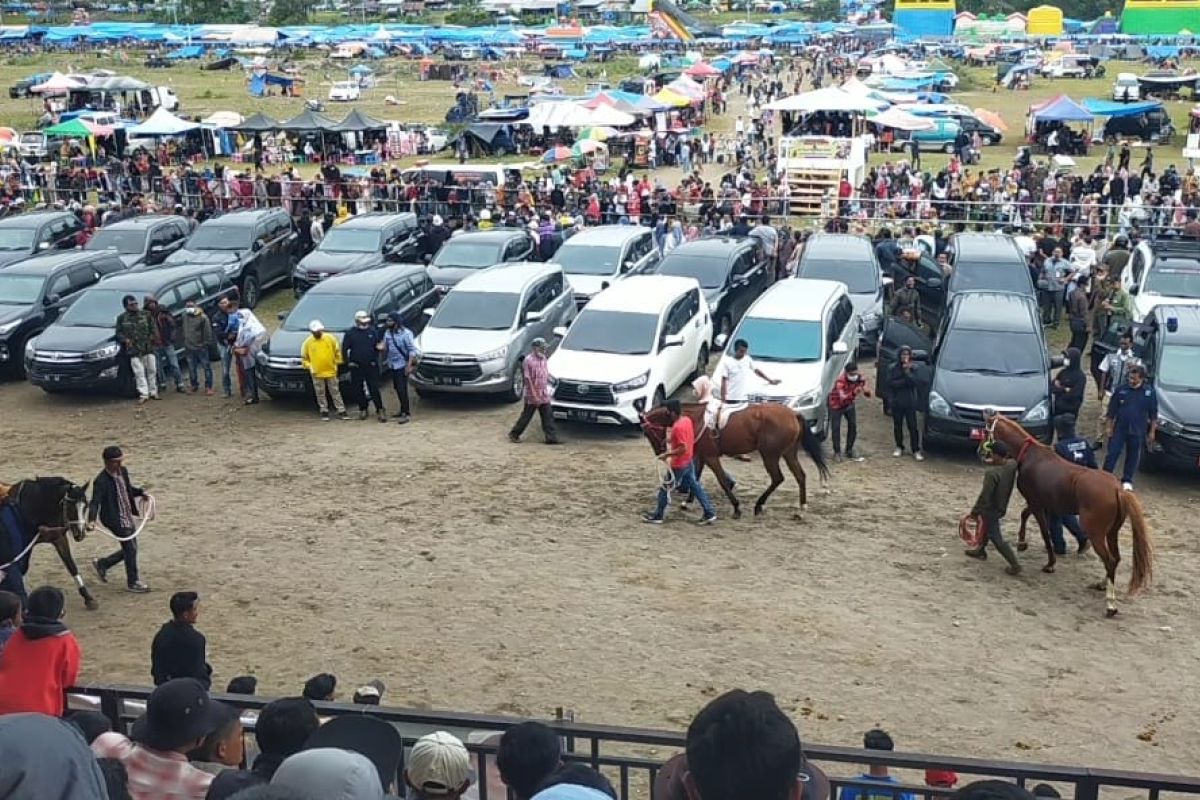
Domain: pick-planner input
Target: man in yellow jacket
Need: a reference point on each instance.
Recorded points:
(322, 356)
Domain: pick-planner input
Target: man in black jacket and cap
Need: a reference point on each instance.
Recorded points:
(179, 650)
(904, 395)
(114, 501)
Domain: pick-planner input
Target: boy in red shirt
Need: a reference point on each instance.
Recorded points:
(849, 385)
(40, 660)
(680, 450)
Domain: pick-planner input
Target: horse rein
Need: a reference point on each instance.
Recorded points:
(990, 428)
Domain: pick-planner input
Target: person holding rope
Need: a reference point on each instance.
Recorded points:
(679, 452)
(114, 501)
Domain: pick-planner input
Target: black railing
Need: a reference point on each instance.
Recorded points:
(631, 757)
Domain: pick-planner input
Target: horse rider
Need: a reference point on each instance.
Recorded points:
(1132, 422)
(733, 379)
(1077, 450)
(992, 503)
(679, 451)
(114, 501)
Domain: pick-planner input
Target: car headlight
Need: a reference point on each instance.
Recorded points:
(30, 349)
(9, 326)
(938, 405)
(805, 400)
(1169, 425)
(1039, 413)
(232, 268)
(632, 383)
(493, 355)
(869, 319)
(101, 353)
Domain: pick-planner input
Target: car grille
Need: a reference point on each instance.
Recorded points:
(63, 370)
(1191, 433)
(461, 368)
(974, 413)
(762, 398)
(593, 394)
(280, 362)
(57, 357)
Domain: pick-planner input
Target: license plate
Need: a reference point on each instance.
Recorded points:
(293, 386)
(54, 378)
(442, 380)
(978, 434)
(581, 415)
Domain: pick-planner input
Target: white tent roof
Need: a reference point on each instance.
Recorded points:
(57, 84)
(575, 115)
(831, 98)
(902, 120)
(223, 119)
(162, 123)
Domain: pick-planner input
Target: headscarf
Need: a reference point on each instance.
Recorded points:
(44, 758)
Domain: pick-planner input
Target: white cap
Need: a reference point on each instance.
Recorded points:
(316, 325)
(485, 213)
(437, 219)
(439, 764)
(361, 316)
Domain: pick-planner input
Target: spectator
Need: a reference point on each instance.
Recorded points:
(164, 346)
(1132, 418)
(179, 716)
(876, 739)
(941, 778)
(527, 755)
(10, 617)
(242, 684)
(1069, 385)
(232, 782)
(224, 748)
(135, 331)
(89, 723)
(378, 741)
(45, 759)
(268, 792)
(668, 783)
(907, 298)
(321, 356)
(282, 728)
(537, 395)
(321, 687)
(905, 400)
(741, 745)
(329, 774)
(576, 782)
(178, 649)
(369, 695)
(41, 659)
(360, 348)
(992, 790)
(198, 337)
(116, 779)
(438, 766)
(849, 385)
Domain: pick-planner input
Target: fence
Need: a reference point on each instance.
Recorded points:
(632, 756)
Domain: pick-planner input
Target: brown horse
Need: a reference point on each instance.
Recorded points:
(775, 431)
(1053, 486)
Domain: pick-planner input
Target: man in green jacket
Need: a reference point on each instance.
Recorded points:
(992, 503)
(135, 334)
(198, 339)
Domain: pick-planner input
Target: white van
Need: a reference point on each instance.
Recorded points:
(1126, 88)
(801, 332)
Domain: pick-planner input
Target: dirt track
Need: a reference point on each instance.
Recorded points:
(472, 574)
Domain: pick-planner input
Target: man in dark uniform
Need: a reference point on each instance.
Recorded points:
(1132, 421)
(992, 503)
(114, 501)
(178, 649)
(1077, 450)
(361, 346)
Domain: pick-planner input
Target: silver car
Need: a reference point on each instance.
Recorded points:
(478, 336)
(595, 258)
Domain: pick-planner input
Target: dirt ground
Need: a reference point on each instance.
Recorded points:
(472, 574)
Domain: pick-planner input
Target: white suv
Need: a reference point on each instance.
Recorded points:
(1162, 273)
(630, 349)
(801, 332)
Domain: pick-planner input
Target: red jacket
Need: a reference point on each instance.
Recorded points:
(39, 662)
(845, 392)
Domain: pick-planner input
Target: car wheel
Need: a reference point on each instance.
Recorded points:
(701, 363)
(516, 385)
(948, 148)
(251, 292)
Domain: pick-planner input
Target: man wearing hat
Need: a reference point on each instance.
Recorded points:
(537, 395)
(321, 356)
(179, 715)
(114, 501)
(377, 741)
(361, 346)
(439, 766)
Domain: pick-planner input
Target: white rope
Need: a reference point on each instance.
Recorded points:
(25, 552)
(148, 508)
(665, 475)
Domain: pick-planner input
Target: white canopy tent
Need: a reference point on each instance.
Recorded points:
(902, 120)
(575, 115)
(57, 83)
(162, 123)
(831, 99)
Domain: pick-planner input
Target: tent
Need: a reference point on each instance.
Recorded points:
(162, 123)
(306, 121)
(830, 98)
(1061, 109)
(702, 70)
(485, 137)
(357, 122)
(80, 128)
(223, 119)
(57, 84)
(919, 18)
(1154, 17)
(1044, 21)
(902, 120)
(1108, 108)
(258, 123)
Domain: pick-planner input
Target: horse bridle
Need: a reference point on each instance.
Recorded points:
(77, 526)
(989, 427)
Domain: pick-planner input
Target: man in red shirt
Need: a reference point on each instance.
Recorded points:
(40, 660)
(681, 448)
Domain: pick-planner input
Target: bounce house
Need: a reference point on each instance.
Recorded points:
(1160, 17)
(919, 18)
(1044, 21)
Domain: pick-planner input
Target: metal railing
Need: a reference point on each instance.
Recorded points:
(631, 757)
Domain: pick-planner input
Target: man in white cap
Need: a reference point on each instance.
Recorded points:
(321, 356)
(438, 766)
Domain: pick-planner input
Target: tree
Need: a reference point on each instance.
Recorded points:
(289, 12)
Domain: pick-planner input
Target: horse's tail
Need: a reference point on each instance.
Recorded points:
(1143, 548)
(812, 446)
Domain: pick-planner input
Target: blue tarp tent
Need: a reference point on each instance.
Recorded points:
(1063, 109)
(1109, 108)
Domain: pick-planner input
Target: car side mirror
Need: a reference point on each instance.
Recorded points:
(281, 316)
(533, 316)
(933, 283)
(157, 248)
(43, 246)
(427, 258)
(840, 348)
(51, 300)
(1133, 289)
(720, 341)
(672, 340)
(258, 245)
(560, 331)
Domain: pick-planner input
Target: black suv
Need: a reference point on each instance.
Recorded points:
(35, 292)
(980, 262)
(80, 352)
(731, 272)
(361, 242)
(142, 241)
(255, 247)
(1153, 126)
(27, 234)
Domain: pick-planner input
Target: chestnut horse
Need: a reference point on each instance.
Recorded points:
(774, 430)
(1053, 486)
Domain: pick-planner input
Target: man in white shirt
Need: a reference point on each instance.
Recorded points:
(1083, 255)
(733, 378)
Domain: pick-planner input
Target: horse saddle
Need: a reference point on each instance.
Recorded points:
(719, 414)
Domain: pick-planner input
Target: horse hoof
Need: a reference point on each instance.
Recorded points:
(90, 604)
(1049, 570)
(758, 512)
(737, 513)
(1022, 547)
(1110, 612)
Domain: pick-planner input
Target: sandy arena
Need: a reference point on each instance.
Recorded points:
(475, 575)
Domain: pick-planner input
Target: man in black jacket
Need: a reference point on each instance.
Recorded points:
(179, 650)
(904, 397)
(114, 501)
(360, 347)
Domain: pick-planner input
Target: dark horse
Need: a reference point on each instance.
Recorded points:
(42, 510)
(775, 431)
(1053, 486)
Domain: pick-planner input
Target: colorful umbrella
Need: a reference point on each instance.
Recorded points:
(79, 127)
(586, 147)
(702, 70)
(990, 118)
(556, 154)
(598, 133)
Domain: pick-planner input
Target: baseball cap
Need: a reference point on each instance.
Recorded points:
(316, 325)
(941, 778)
(177, 712)
(379, 741)
(362, 316)
(439, 764)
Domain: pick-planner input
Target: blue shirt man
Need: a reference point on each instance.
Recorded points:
(402, 354)
(876, 739)
(1132, 419)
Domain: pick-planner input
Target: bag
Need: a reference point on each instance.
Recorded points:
(972, 531)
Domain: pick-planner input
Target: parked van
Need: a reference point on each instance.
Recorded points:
(939, 138)
(1126, 88)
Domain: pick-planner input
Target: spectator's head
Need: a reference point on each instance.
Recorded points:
(185, 607)
(1047, 791)
(743, 745)
(906, 315)
(46, 603)
(370, 694)
(376, 740)
(45, 757)
(941, 778)
(330, 774)
(242, 684)
(1064, 426)
(992, 790)
(439, 766)
(320, 687)
(878, 739)
(528, 753)
(740, 348)
(668, 783)
(10, 609)
(576, 782)
(225, 745)
(89, 723)
(282, 728)
(116, 778)
(130, 303)
(230, 782)
(179, 715)
(1126, 340)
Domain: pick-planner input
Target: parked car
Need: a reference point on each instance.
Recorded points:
(801, 333)
(987, 262)
(595, 258)
(851, 260)
(80, 352)
(1126, 88)
(630, 349)
(361, 242)
(987, 133)
(940, 138)
(33, 145)
(256, 248)
(477, 338)
(36, 291)
(144, 241)
(402, 287)
(988, 353)
(467, 253)
(731, 272)
(1073, 65)
(1162, 272)
(1152, 126)
(344, 91)
(24, 235)
(1168, 342)
(21, 88)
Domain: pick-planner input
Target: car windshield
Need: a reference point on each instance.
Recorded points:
(351, 240)
(20, 290)
(467, 255)
(1174, 278)
(780, 340)
(860, 277)
(125, 242)
(13, 239)
(992, 353)
(994, 277)
(336, 311)
(476, 311)
(220, 237)
(710, 272)
(1179, 370)
(621, 332)
(97, 308)
(587, 259)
